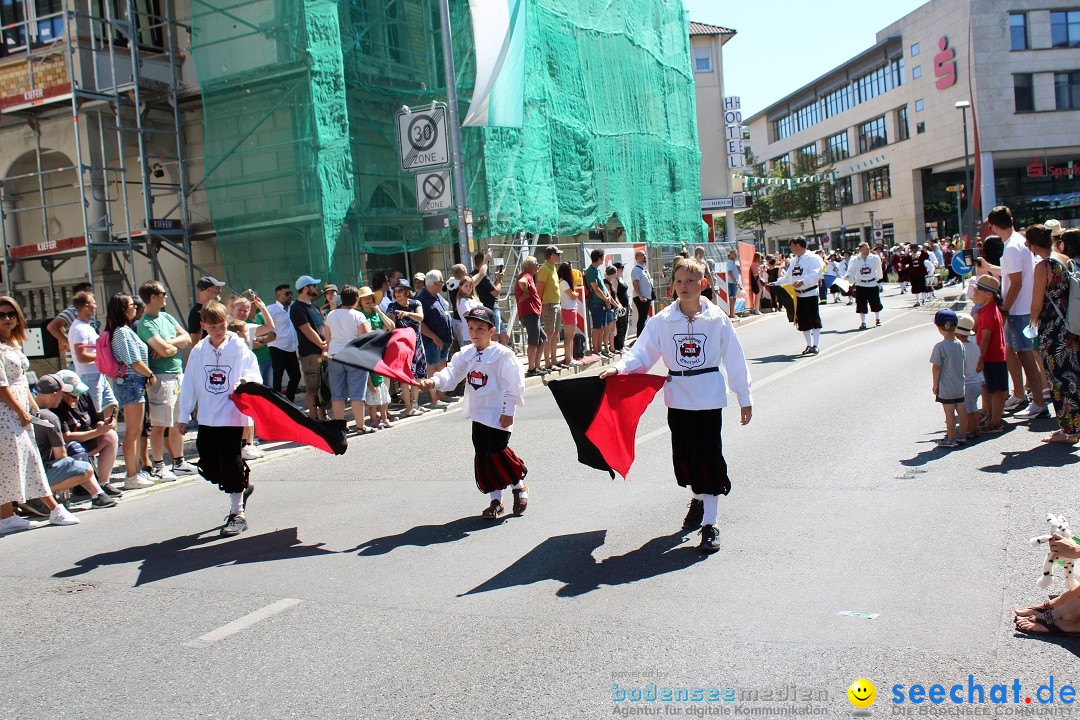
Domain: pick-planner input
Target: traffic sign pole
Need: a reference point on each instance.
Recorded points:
(455, 133)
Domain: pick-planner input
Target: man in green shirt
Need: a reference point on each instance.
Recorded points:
(600, 304)
(166, 338)
(547, 284)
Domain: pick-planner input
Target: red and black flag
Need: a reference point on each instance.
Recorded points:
(278, 419)
(603, 416)
(389, 354)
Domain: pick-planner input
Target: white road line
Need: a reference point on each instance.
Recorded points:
(242, 623)
(843, 346)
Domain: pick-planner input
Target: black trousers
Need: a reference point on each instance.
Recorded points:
(283, 362)
(621, 324)
(219, 457)
(496, 466)
(697, 451)
(642, 307)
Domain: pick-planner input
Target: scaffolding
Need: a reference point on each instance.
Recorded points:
(126, 177)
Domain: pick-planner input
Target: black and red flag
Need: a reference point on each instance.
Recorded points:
(389, 354)
(603, 416)
(278, 419)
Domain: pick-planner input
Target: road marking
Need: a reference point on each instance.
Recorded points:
(843, 346)
(243, 623)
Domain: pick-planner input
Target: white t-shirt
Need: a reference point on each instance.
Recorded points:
(82, 333)
(1018, 259)
(345, 325)
(568, 299)
(464, 305)
(641, 274)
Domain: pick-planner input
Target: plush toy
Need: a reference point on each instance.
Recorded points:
(1058, 524)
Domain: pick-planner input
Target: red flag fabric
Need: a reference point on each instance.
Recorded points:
(278, 419)
(603, 416)
(389, 354)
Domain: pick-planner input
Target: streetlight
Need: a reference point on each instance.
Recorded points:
(963, 106)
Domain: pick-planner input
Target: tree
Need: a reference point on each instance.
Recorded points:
(762, 211)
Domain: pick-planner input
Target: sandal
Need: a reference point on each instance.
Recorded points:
(1047, 619)
(365, 429)
(521, 499)
(493, 511)
(385, 425)
(1060, 437)
(415, 412)
(1035, 610)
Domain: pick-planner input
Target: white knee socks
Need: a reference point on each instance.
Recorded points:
(806, 335)
(710, 509)
(816, 334)
(236, 503)
(495, 495)
(862, 318)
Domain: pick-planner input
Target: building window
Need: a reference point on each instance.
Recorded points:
(1023, 93)
(876, 184)
(902, 130)
(920, 128)
(842, 196)
(30, 23)
(784, 161)
(1018, 30)
(916, 72)
(836, 147)
(148, 21)
(1065, 29)
(808, 150)
(703, 59)
(918, 105)
(914, 49)
(873, 135)
(1067, 90)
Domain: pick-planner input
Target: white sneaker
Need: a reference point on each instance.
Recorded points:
(1014, 402)
(440, 404)
(1032, 411)
(61, 516)
(163, 474)
(250, 452)
(13, 524)
(184, 468)
(138, 481)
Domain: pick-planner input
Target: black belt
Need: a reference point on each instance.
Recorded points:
(691, 373)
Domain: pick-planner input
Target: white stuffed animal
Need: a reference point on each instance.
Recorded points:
(1058, 524)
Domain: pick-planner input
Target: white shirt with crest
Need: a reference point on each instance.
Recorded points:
(494, 383)
(707, 341)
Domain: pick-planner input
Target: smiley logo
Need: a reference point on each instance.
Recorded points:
(862, 693)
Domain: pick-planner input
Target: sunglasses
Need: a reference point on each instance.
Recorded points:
(12, 315)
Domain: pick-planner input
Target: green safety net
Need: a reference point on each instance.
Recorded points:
(300, 103)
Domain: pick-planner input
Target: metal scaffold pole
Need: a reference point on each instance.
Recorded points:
(454, 122)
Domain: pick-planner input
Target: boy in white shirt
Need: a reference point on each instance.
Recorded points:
(494, 389)
(217, 364)
(694, 337)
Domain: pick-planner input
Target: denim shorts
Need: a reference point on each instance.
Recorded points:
(130, 390)
(347, 383)
(1014, 333)
(60, 470)
(434, 354)
(601, 315)
(101, 394)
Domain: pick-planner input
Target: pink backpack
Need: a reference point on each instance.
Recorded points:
(106, 361)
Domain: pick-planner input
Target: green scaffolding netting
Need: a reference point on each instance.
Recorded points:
(300, 99)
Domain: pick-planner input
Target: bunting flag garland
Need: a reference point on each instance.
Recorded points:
(278, 419)
(603, 416)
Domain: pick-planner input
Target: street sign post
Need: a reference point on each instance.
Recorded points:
(433, 191)
(422, 138)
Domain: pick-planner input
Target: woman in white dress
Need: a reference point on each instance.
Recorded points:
(22, 474)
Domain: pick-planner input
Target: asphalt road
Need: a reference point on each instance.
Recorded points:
(367, 587)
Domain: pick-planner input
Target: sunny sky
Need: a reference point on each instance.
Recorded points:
(783, 44)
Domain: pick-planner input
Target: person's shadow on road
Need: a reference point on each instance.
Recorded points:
(192, 553)
(569, 559)
(425, 535)
(1048, 455)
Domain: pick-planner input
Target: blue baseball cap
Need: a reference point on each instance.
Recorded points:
(945, 317)
(304, 280)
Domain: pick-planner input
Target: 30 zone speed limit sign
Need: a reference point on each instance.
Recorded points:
(422, 138)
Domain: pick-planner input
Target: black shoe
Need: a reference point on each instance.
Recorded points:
(807, 351)
(33, 508)
(694, 515)
(111, 490)
(863, 326)
(814, 350)
(709, 541)
(877, 324)
(234, 525)
(247, 493)
(102, 501)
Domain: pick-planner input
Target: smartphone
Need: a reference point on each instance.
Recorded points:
(110, 413)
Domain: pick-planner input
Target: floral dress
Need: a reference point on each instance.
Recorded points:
(419, 365)
(22, 476)
(1060, 348)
